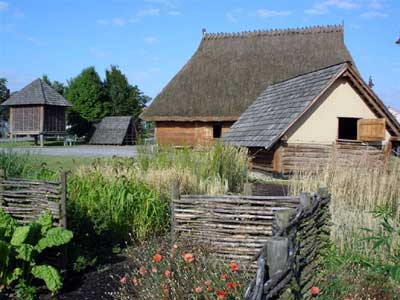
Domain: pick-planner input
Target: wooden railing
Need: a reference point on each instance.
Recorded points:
(27, 199)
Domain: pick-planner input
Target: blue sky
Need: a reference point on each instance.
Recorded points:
(150, 40)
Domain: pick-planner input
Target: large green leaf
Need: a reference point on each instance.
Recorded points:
(54, 237)
(7, 225)
(49, 275)
(20, 235)
(24, 252)
(46, 221)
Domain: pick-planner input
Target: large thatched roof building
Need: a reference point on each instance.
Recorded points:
(229, 71)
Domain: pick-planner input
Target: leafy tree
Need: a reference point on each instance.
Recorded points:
(56, 85)
(90, 103)
(125, 99)
(4, 95)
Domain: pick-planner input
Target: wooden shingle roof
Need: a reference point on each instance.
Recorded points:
(111, 131)
(282, 104)
(36, 93)
(230, 70)
(275, 110)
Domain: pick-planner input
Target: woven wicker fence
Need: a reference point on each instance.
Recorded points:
(235, 226)
(27, 199)
(288, 263)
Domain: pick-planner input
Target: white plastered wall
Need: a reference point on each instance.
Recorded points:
(320, 124)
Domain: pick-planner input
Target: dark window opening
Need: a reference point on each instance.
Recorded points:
(217, 131)
(348, 129)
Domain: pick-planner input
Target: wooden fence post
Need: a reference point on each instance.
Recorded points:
(282, 217)
(63, 204)
(248, 189)
(175, 195)
(277, 254)
(305, 200)
(2, 177)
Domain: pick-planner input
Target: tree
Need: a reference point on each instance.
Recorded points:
(89, 101)
(4, 95)
(125, 99)
(56, 85)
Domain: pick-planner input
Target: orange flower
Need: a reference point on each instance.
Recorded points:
(231, 285)
(234, 266)
(188, 257)
(209, 289)
(154, 269)
(167, 273)
(198, 290)
(157, 258)
(221, 294)
(142, 270)
(224, 276)
(315, 291)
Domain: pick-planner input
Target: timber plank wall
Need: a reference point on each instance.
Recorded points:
(235, 226)
(292, 157)
(27, 199)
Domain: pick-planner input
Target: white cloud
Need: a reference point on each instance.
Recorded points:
(323, 7)
(97, 53)
(151, 39)
(119, 22)
(233, 15)
(114, 22)
(149, 12)
(266, 13)
(374, 15)
(3, 5)
(174, 13)
(375, 4)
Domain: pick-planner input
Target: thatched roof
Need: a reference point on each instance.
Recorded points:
(230, 70)
(36, 93)
(281, 105)
(111, 131)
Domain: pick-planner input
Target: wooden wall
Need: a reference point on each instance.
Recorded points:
(54, 119)
(187, 133)
(288, 158)
(26, 119)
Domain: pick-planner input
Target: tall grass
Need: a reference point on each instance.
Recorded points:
(218, 170)
(357, 189)
(12, 163)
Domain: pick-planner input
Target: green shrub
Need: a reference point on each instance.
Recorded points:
(20, 248)
(181, 270)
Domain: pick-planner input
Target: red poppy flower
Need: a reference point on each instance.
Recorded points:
(157, 258)
(231, 285)
(188, 257)
(315, 291)
(198, 290)
(167, 273)
(123, 280)
(234, 266)
(221, 294)
(224, 276)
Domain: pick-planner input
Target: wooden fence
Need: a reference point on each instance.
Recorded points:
(27, 199)
(288, 264)
(235, 226)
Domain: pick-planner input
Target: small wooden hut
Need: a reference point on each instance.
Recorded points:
(114, 131)
(37, 110)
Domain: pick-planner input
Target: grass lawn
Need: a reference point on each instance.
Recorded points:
(29, 144)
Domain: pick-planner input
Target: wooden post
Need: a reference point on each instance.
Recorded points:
(2, 177)
(41, 140)
(63, 204)
(305, 200)
(174, 196)
(260, 277)
(282, 217)
(277, 254)
(323, 192)
(248, 189)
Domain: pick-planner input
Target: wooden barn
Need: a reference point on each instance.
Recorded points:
(229, 71)
(37, 110)
(114, 131)
(312, 118)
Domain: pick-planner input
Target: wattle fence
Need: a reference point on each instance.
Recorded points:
(235, 226)
(289, 262)
(26, 199)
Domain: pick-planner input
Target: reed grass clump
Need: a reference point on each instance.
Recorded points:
(357, 189)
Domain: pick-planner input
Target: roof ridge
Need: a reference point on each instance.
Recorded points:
(43, 93)
(274, 32)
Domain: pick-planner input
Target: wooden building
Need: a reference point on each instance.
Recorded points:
(37, 110)
(229, 71)
(313, 118)
(114, 131)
